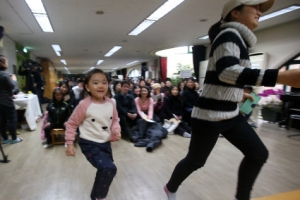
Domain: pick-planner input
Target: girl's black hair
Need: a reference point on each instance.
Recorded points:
(2, 61)
(191, 79)
(216, 28)
(87, 78)
(171, 95)
(66, 82)
(148, 95)
(54, 100)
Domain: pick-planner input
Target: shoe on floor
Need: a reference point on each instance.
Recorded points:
(186, 135)
(46, 146)
(6, 141)
(16, 140)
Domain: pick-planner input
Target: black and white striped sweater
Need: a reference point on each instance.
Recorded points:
(229, 69)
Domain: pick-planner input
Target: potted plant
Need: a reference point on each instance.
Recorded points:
(271, 105)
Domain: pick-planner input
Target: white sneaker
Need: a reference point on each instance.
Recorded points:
(186, 135)
(46, 146)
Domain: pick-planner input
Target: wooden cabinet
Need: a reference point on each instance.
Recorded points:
(50, 78)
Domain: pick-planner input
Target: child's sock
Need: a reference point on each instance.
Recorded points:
(171, 195)
(186, 135)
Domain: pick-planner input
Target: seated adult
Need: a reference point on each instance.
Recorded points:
(68, 94)
(126, 109)
(158, 98)
(145, 105)
(173, 106)
(189, 97)
(136, 90)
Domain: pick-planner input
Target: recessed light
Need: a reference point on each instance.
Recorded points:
(203, 20)
(99, 12)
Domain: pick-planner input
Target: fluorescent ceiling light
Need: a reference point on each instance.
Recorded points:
(141, 27)
(132, 62)
(164, 9)
(36, 6)
(56, 47)
(99, 62)
(203, 38)
(66, 68)
(112, 51)
(64, 62)
(279, 12)
(116, 68)
(44, 22)
(39, 12)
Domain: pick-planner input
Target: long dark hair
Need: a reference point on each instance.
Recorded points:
(87, 78)
(148, 95)
(216, 28)
(172, 96)
(54, 100)
(66, 82)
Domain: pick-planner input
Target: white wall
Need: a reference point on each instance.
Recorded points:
(281, 43)
(9, 51)
(173, 60)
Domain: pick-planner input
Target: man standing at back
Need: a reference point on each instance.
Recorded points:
(126, 109)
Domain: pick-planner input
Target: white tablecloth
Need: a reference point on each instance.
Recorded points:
(32, 106)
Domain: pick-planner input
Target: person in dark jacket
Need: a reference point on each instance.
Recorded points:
(68, 94)
(126, 110)
(8, 114)
(173, 105)
(58, 114)
(189, 98)
(40, 86)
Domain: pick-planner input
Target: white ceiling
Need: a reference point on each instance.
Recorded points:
(85, 37)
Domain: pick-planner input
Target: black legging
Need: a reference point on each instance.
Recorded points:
(205, 135)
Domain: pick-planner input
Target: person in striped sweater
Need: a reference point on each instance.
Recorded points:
(216, 110)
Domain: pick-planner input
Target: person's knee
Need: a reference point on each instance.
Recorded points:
(110, 170)
(260, 157)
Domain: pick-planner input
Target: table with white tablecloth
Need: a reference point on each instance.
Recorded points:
(29, 102)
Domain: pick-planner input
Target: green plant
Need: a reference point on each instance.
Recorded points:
(176, 80)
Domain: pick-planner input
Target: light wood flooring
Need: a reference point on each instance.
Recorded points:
(35, 173)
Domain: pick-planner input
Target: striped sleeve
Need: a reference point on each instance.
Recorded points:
(233, 65)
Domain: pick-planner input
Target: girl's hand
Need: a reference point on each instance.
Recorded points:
(118, 135)
(48, 124)
(70, 151)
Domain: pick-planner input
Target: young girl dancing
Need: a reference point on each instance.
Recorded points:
(97, 119)
(216, 110)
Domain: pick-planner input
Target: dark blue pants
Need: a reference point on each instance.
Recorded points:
(205, 135)
(8, 121)
(100, 156)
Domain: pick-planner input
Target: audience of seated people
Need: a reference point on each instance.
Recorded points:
(149, 100)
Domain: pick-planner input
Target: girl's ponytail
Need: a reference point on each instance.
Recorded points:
(214, 31)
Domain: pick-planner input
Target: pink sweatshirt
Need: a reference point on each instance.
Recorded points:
(96, 121)
(144, 107)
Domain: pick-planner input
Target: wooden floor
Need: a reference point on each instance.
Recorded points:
(35, 173)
